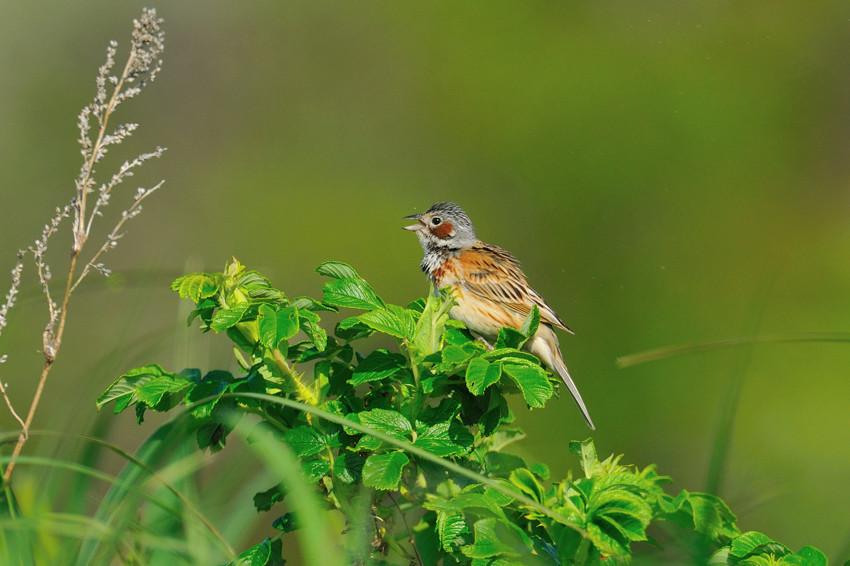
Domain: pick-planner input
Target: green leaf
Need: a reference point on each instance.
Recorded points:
(532, 381)
(337, 270)
(481, 374)
(314, 470)
(450, 528)
(531, 323)
(225, 318)
(456, 337)
(494, 537)
(811, 556)
(386, 421)
(711, 515)
(377, 365)
(264, 500)
(255, 556)
(203, 390)
(151, 392)
(383, 471)
(212, 435)
(448, 438)
(445, 411)
(309, 323)
(348, 467)
(511, 355)
(392, 320)
(431, 325)
(528, 484)
(744, 544)
(351, 292)
(275, 327)
(195, 286)
(589, 461)
(305, 441)
(510, 338)
(285, 523)
(311, 304)
(351, 328)
(605, 542)
(124, 389)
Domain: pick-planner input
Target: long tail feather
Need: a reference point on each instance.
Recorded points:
(561, 368)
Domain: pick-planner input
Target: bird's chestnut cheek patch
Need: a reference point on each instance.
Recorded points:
(443, 230)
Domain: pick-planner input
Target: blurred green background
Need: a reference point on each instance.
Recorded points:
(666, 172)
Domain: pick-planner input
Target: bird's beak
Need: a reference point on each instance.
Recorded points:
(414, 227)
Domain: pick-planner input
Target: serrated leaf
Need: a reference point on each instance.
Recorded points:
(309, 323)
(745, 543)
(510, 338)
(383, 471)
(450, 527)
(203, 390)
(511, 355)
(123, 390)
(311, 304)
(431, 325)
(225, 318)
(377, 365)
(456, 337)
(386, 421)
(711, 515)
(151, 392)
(481, 374)
(445, 411)
(589, 461)
(195, 286)
(314, 470)
(532, 381)
(351, 292)
(275, 327)
(348, 467)
(494, 537)
(448, 438)
(392, 320)
(531, 323)
(605, 542)
(336, 269)
(305, 441)
(528, 484)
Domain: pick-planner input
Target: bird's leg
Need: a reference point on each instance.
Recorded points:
(487, 344)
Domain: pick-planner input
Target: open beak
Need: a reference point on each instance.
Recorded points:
(414, 227)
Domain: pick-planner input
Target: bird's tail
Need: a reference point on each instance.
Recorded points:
(559, 366)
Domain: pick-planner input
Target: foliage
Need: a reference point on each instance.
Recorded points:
(387, 430)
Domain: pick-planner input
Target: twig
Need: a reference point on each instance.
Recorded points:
(114, 236)
(410, 539)
(142, 65)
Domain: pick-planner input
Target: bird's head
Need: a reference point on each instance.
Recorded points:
(444, 225)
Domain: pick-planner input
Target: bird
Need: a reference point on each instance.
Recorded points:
(491, 290)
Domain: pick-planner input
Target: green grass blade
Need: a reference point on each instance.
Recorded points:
(707, 345)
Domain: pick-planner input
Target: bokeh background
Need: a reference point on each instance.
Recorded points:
(666, 172)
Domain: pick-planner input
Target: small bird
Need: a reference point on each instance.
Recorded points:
(492, 291)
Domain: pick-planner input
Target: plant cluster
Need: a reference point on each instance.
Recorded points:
(409, 444)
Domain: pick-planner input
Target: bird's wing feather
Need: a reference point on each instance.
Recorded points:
(492, 273)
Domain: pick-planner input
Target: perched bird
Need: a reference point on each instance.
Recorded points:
(492, 291)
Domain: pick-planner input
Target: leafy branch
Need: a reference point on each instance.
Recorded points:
(419, 432)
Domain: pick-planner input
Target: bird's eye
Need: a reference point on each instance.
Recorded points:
(436, 221)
